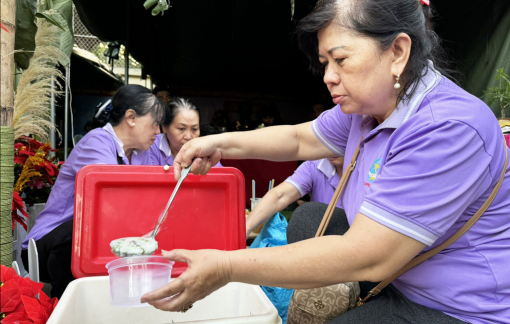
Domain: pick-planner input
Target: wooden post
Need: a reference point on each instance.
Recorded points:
(8, 20)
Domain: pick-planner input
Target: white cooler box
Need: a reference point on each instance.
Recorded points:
(87, 300)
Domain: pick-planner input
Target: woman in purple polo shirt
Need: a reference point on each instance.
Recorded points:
(430, 155)
(181, 124)
(318, 178)
(132, 128)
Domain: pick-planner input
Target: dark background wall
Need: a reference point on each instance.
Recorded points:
(244, 51)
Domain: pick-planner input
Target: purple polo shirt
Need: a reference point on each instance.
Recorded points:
(318, 178)
(160, 153)
(424, 172)
(99, 146)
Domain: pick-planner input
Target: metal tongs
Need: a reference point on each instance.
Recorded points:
(184, 174)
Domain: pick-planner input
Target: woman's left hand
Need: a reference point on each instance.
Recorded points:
(207, 271)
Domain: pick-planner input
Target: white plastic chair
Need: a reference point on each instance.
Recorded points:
(19, 235)
(16, 267)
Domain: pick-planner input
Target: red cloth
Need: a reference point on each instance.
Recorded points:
(262, 172)
(507, 139)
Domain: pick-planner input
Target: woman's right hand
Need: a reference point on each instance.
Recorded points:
(206, 151)
(208, 270)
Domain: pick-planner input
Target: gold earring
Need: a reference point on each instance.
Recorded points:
(397, 85)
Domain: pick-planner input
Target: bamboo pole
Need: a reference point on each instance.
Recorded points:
(8, 20)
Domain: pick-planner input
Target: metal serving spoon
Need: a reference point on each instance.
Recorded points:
(133, 246)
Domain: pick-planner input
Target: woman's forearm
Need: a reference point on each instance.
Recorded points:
(274, 201)
(368, 251)
(275, 143)
(299, 265)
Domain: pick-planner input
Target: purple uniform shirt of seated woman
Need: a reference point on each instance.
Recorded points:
(318, 178)
(133, 125)
(181, 124)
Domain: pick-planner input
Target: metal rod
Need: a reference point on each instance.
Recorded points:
(53, 141)
(126, 48)
(66, 114)
(85, 36)
(126, 65)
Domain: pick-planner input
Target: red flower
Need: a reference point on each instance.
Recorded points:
(10, 298)
(35, 171)
(16, 318)
(51, 170)
(18, 205)
(24, 151)
(19, 302)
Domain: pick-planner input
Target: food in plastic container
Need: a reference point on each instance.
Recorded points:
(133, 246)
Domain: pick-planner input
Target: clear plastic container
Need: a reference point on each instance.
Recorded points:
(132, 277)
(254, 202)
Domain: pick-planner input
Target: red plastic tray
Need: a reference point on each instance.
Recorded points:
(114, 201)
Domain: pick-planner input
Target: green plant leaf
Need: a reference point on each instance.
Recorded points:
(161, 6)
(51, 16)
(25, 31)
(67, 43)
(501, 93)
(65, 7)
(157, 9)
(149, 3)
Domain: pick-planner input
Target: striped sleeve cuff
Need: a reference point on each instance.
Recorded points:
(298, 187)
(398, 224)
(325, 141)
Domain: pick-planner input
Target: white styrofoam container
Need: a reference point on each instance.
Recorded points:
(87, 300)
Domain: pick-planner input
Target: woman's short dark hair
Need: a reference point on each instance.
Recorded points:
(138, 98)
(177, 105)
(382, 21)
(161, 88)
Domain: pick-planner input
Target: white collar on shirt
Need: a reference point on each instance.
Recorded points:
(327, 168)
(163, 145)
(120, 146)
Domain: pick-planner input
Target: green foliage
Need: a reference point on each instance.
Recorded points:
(161, 6)
(98, 50)
(60, 14)
(500, 94)
(26, 28)
(57, 12)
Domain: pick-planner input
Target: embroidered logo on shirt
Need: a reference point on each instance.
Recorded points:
(372, 174)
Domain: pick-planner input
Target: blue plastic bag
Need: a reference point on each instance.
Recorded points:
(274, 233)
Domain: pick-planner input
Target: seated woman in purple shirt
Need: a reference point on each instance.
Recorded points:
(430, 155)
(181, 124)
(132, 128)
(318, 178)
